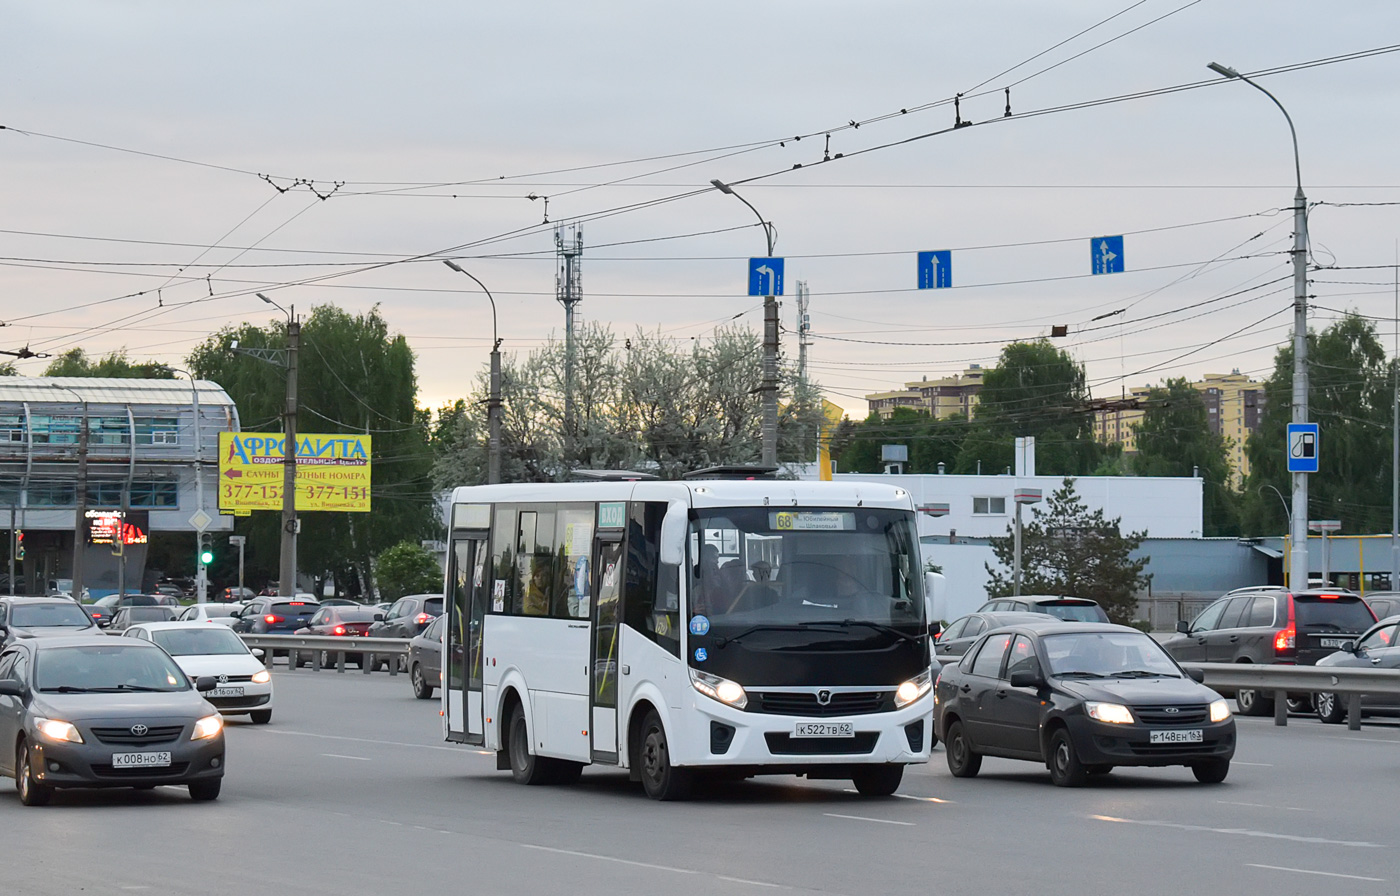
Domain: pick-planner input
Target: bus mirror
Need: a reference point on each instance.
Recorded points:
(673, 534)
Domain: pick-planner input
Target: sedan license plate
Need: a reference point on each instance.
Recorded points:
(1187, 736)
(140, 760)
(824, 729)
(225, 692)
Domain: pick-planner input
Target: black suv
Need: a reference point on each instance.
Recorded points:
(1270, 624)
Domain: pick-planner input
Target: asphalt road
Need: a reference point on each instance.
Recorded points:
(351, 791)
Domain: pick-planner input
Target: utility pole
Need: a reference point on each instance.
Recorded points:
(569, 286)
(804, 326)
(238, 541)
(287, 577)
(80, 516)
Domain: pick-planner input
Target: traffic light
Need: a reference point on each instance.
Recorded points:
(206, 548)
(19, 544)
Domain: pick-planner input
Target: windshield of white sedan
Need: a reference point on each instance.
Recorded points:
(47, 615)
(1107, 655)
(107, 669)
(759, 566)
(199, 641)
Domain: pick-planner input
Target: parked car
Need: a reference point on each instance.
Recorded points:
(98, 613)
(220, 613)
(425, 659)
(93, 711)
(953, 641)
(1271, 625)
(126, 617)
(1082, 698)
(1070, 609)
(170, 589)
(1375, 649)
(34, 617)
(234, 593)
(244, 686)
(337, 621)
(274, 615)
(1384, 603)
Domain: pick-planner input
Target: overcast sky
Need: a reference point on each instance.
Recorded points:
(134, 215)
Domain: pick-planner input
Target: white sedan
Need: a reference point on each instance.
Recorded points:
(222, 613)
(244, 686)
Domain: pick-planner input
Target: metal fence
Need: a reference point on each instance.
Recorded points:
(329, 651)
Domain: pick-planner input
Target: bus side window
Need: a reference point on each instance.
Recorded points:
(652, 602)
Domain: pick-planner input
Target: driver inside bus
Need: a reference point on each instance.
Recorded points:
(706, 593)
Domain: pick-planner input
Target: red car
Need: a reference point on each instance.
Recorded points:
(350, 622)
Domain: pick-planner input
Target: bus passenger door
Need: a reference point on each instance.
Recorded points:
(466, 618)
(606, 664)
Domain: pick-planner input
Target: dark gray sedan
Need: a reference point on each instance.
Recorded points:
(425, 659)
(954, 640)
(1375, 649)
(94, 711)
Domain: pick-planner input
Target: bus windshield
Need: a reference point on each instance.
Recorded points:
(761, 566)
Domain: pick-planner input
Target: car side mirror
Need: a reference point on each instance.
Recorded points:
(1026, 678)
(1196, 675)
(1353, 646)
(935, 629)
(378, 617)
(258, 652)
(1183, 627)
(11, 688)
(205, 683)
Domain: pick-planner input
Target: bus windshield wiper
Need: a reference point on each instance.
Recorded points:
(879, 627)
(721, 642)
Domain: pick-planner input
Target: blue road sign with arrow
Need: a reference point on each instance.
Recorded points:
(1302, 447)
(936, 269)
(1106, 254)
(765, 276)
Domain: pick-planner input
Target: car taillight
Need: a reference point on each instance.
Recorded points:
(270, 619)
(339, 630)
(422, 619)
(1285, 639)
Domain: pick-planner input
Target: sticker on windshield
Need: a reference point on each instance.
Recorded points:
(699, 625)
(498, 596)
(812, 520)
(701, 655)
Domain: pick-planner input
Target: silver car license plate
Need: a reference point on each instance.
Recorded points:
(141, 760)
(824, 729)
(1186, 736)
(225, 692)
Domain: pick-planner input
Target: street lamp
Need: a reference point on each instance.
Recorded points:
(201, 570)
(80, 508)
(493, 401)
(1298, 520)
(287, 574)
(769, 387)
(1021, 496)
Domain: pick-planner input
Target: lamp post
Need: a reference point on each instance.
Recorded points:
(80, 494)
(1021, 496)
(769, 386)
(493, 401)
(201, 578)
(287, 574)
(1298, 520)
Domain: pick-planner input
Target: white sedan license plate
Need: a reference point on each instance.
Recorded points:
(225, 692)
(140, 760)
(825, 729)
(1188, 736)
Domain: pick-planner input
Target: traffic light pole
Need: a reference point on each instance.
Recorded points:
(287, 585)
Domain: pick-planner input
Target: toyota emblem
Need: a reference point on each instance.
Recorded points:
(139, 730)
(823, 697)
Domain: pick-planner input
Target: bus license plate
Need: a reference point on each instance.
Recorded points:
(225, 692)
(140, 760)
(824, 729)
(1189, 736)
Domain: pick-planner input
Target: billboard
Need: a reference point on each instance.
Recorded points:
(117, 527)
(333, 472)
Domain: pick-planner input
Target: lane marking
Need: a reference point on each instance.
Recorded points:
(343, 756)
(363, 740)
(1255, 764)
(1241, 831)
(907, 824)
(1262, 806)
(906, 796)
(755, 883)
(1378, 880)
(589, 855)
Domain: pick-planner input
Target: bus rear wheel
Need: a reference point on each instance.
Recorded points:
(878, 780)
(660, 779)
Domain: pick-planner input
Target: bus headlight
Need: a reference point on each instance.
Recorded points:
(721, 689)
(913, 689)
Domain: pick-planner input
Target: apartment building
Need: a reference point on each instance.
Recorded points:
(953, 396)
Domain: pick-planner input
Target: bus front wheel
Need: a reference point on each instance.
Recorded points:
(660, 779)
(878, 780)
(525, 766)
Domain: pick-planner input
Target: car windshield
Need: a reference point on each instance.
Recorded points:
(757, 566)
(56, 615)
(199, 641)
(107, 667)
(1107, 655)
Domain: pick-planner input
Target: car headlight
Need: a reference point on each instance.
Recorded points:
(1116, 713)
(208, 727)
(1219, 711)
(721, 689)
(262, 676)
(54, 729)
(913, 689)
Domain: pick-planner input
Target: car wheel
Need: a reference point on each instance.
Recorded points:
(1297, 704)
(1065, 768)
(260, 716)
(660, 779)
(31, 791)
(963, 761)
(205, 791)
(421, 689)
(1098, 769)
(1250, 702)
(1212, 772)
(1329, 708)
(525, 767)
(878, 780)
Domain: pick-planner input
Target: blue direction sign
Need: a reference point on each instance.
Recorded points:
(1302, 447)
(765, 276)
(936, 269)
(1106, 254)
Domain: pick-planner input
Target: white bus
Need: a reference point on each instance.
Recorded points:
(675, 628)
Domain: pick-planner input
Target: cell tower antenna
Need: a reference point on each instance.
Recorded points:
(568, 244)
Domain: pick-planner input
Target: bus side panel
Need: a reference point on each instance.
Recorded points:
(653, 675)
(556, 653)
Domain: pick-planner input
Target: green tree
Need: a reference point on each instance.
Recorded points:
(1174, 439)
(1067, 549)
(1350, 397)
(1034, 390)
(406, 568)
(75, 362)
(929, 441)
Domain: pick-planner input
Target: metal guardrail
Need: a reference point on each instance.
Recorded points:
(1283, 679)
(314, 646)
